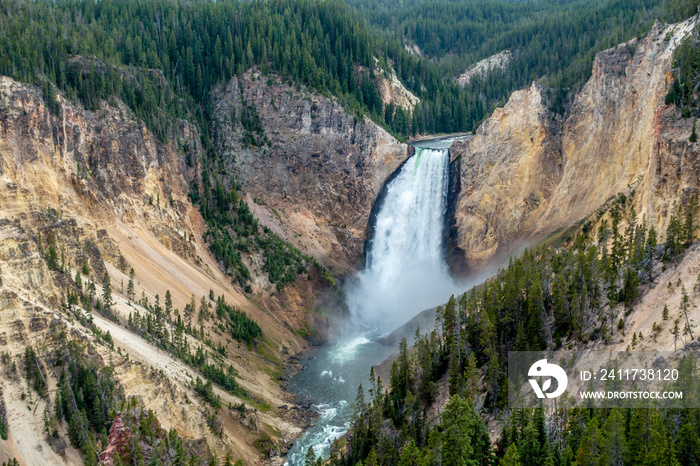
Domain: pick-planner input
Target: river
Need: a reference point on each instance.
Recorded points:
(405, 273)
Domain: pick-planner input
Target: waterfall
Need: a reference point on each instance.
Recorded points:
(405, 271)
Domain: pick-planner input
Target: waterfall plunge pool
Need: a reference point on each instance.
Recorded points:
(405, 273)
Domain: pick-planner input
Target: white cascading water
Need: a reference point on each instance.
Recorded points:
(405, 274)
(406, 271)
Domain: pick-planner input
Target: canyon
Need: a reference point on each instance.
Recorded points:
(113, 196)
(528, 174)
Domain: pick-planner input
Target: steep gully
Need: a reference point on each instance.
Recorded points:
(405, 273)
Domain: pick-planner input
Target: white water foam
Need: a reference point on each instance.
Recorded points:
(326, 411)
(347, 351)
(406, 272)
(322, 440)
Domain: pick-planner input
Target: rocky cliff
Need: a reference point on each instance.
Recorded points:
(317, 175)
(528, 173)
(95, 191)
(71, 177)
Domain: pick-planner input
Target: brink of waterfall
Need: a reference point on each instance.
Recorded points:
(405, 271)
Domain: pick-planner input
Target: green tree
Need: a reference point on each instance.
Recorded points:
(511, 457)
(464, 439)
(649, 443)
(613, 444)
(168, 304)
(688, 228)
(310, 458)
(107, 301)
(130, 291)
(693, 135)
(685, 304)
(674, 236)
(409, 455)
(52, 254)
(688, 443)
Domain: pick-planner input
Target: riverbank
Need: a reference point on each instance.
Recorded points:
(298, 411)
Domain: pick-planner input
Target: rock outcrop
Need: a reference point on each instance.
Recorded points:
(498, 61)
(99, 168)
(96, 191)
(527, 173)
(118, 437)
(393, 91)
(316, 179)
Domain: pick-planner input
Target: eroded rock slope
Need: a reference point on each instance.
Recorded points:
(528, 173)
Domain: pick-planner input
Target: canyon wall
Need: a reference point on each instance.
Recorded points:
(97, 191)
(528, 173)
(101, 193)
(318, 175)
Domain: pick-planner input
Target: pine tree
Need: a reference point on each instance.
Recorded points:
(359, 439)
(189, 311)
(122, 263)
(107, 301)
(614, 441)
(79, 430)
(456, 448)
(52, 254)
(648, 442)
(674, 236)
(649, 251)
(675, 331)
(168, 304)
(511, 457)
(372, 459)
(409, 455)
(131, 293)
(688, 444)
(590, 446)
(693, 135)
(310, 458)
(455, 369)
(203, 310)
(688, 228)
(471, 378)
(685, 301)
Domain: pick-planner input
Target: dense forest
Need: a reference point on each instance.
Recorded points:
(684, 87)
(554, 40)
(162, 58)
(121, 48)
(550, 298)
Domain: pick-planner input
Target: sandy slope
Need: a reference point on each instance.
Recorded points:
(650, 308)
(26, 433)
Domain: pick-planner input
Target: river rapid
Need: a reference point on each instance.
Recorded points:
(405, 273)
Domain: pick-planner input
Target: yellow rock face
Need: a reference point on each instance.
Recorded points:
(527, 173)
